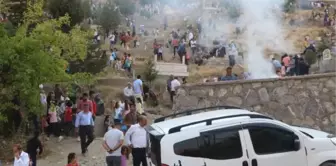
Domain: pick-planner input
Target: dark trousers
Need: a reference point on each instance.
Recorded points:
(33, 158)
(68, 127)
(159, 56)
(54, 128)
(175, 49)
(193, 50)
(134, 43)
(86, 136)
(139, 156)
(113, 160)
(172, 94)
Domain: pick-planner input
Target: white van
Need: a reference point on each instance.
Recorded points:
(230, 136)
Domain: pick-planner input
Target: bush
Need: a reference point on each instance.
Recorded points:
(150, 73)
(310, 57)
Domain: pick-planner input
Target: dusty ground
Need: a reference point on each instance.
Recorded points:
(59, 151)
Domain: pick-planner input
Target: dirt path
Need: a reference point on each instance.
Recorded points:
(60, 150)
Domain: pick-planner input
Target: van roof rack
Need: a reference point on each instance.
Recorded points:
(193, 111)
(209, 121)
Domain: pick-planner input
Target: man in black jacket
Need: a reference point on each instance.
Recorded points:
(34, 146)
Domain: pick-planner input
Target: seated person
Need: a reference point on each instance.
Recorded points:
(229, 76)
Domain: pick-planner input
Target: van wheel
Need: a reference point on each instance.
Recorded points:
(328, 164)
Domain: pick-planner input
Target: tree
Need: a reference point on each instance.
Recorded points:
(78, 10)
(126, 7)
(310, 57)
(16, 9)
(108, 17)
(39, 57)
(150, 73)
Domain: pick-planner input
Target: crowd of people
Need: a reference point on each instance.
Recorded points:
(118, 62)
(76, 118)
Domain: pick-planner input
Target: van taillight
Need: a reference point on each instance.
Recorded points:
(164, 165)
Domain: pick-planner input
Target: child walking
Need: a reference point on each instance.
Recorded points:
(68, 126)
(124, 155)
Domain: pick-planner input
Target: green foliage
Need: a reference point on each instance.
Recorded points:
(310, 57)
(40, 57)
(126, 7)
(17, 9)
(34, 12)
(3, 6)
(108, 17)
(150, 74)
(78, 10)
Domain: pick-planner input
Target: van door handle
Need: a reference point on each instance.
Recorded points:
(254, 162)
(245, 163)
(204, 164)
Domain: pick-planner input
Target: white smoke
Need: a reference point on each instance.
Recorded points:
(263, 30)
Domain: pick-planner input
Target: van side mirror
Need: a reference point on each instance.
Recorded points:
(297, 144)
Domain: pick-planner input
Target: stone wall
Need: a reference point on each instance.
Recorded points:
(304, 100)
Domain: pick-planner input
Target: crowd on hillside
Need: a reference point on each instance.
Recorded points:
(73, 115)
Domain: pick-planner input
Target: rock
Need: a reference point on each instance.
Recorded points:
(211, 92)
(330, 84)
(280, 91)
(330, 108)
(286, 99)
(181, 92)
(221, 92)
(251, 98)
(333, 119)
(237, 89)
(256, 85)
(198, 93)
(263, 94)
(234, 101)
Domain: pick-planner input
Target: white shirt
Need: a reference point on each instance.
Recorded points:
(174, 84)
(136, 136)
(112, 138)
(112, 37)
(98, 38)
(193, 43)
(23, 160)
(191, 35)
(117, 112)
(128, 92)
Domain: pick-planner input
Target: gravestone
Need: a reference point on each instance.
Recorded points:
(327, 64)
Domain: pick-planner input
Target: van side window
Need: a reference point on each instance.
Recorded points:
(267, 140)
(218, 146)
(221, 145)
(187, 148)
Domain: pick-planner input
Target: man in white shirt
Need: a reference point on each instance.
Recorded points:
(136, 138)
(137, 89)
(112, 38)
(128, 92)
(21, 158)
(175, 83)
(113, 140)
